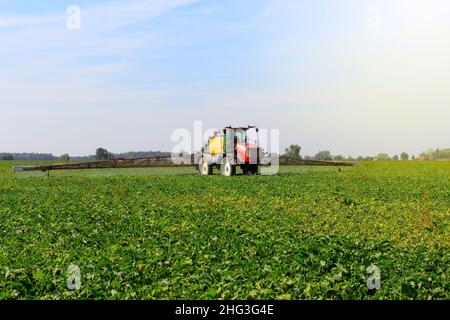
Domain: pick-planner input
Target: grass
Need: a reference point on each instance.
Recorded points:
(308, 233)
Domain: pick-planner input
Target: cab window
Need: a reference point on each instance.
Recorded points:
(240, 135)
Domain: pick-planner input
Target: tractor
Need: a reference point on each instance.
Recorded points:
(230, 148)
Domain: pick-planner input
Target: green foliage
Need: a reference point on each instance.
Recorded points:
(103, 154)
(27, 156)
(437, 154)
(383, 157)
(293, 151)
(64, 157)
(323, 155)
(309, 233)
(6, 157)
(404, 156)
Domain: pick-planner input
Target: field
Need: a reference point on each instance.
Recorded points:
(307, 233)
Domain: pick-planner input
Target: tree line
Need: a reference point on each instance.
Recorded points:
(103, 154)
(27, 156)
(100, 154)
(293, 151)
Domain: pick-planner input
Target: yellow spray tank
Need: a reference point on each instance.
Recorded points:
(216, 144)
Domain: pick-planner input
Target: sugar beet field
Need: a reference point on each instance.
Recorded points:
(307, 233)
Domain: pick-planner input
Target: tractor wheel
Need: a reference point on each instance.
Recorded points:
(227, 168)
(205, 168)
(199, 166)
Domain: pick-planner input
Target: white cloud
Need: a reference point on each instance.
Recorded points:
(43, 63)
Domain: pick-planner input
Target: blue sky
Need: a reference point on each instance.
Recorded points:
(353, 77)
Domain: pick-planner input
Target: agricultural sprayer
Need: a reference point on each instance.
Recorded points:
(225, 151)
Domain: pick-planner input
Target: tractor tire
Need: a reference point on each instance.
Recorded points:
(227, 168)
(204, 168)
(199, 166)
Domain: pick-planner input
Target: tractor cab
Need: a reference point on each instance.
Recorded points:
(241, 144)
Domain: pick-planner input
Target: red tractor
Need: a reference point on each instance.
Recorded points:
(234, 146)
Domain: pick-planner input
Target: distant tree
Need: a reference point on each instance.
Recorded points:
(424, 156)
(413, 157)
(293, 151)
(350, 158)
(64, 157)
(368, 158)
(360, 158)
(445, 153)
(383, 157)
(430, 154)
(6, 157)
(437, 154)
(404, 156)
(338, 158)
(395, 158)
(103, 154)
(307, 158)
(323, 155)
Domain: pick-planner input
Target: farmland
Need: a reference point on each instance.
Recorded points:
(307, 233)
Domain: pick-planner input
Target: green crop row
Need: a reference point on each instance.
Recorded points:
(307, 233)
